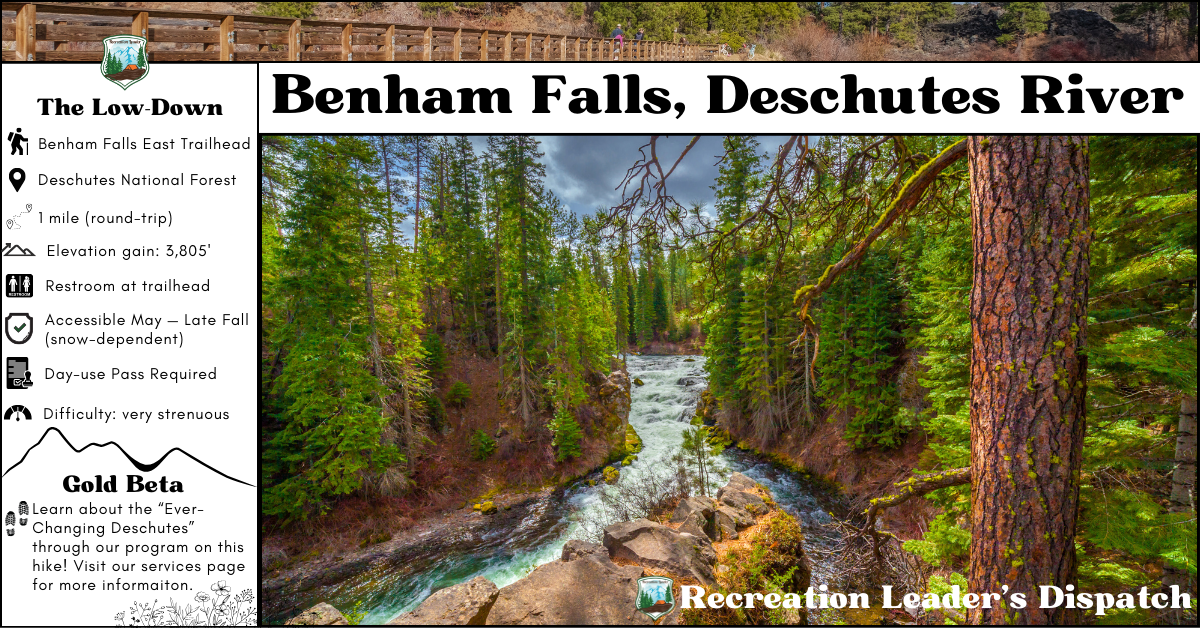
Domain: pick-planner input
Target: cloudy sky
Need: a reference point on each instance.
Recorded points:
(584, 171)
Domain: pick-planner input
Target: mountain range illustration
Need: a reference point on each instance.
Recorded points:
(15, 250)
(141, 466)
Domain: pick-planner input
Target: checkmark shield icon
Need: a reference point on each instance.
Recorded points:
(18, 327)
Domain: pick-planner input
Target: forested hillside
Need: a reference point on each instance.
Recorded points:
(1006, 322)
(389, 261)
(1025, 346)
(825, 31)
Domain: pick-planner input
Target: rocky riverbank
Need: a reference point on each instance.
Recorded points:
(504, 515)
(706, 542)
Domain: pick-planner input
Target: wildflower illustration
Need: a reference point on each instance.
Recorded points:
(219, 608)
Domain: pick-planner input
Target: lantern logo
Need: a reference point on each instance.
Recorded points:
(124, 60)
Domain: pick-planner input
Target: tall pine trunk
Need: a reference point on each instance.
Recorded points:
(1029, 221)
(1183, 481)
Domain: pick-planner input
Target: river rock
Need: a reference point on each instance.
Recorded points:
(743, 501)
(739, 517)
(697, 525)
(272, 557)
(576, 548)
(462, 604)
(322, 614)
(654, 545)
(740, 482)
(688, 505)
(588, 590)
(728, 521)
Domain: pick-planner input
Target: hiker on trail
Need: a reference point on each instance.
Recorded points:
(638, 37)
(618, 35)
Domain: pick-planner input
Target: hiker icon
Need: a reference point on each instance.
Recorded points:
(18, 142)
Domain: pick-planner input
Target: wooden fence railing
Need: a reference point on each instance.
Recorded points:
(61, 32)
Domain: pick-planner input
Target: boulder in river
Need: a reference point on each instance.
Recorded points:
(741, 500)
(462, 604)
(322, 614)
(576, 548)
(654, 545)
(588, 590)
(741, 482)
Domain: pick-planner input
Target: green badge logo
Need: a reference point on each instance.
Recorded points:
(656, 596)
(124, 60)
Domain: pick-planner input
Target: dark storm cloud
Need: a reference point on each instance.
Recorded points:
(584, 171)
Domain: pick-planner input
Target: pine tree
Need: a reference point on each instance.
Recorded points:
(331, 432)
(737, 186)
(524, 235)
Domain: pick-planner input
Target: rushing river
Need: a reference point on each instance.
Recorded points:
(661, 409)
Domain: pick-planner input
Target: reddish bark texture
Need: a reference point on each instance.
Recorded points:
(1029, 214)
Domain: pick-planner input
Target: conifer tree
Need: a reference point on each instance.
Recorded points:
(737, 185)
(524, 236)
(331, 433)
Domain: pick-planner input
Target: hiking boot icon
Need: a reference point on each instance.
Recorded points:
(23, 508)
(9, 520)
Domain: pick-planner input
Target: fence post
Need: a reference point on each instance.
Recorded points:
(141, 25)
(529, 47)
(508, 47)
(347, 52)
(294, 41)
(389, 43)
(589, 49)
(483, 46)
(226, 38)
(456, 46)
(577, 40)
(427, 45)
(25, 32)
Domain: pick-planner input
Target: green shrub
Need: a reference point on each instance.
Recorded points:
(435, 412)
(943, 543)
(567, 435)
(300, 10)
(434, 8)
(435, 354)
(772, 563)
(482, 445)
(458, 395)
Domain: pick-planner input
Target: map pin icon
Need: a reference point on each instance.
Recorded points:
(16, 177)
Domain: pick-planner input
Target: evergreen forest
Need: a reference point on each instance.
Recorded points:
(1006, 323)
